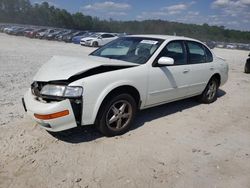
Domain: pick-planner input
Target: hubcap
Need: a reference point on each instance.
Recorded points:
(119, 115)
(212, 88)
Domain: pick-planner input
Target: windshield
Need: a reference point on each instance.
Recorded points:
(132, 49)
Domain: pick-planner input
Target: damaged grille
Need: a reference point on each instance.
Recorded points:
(36, 88)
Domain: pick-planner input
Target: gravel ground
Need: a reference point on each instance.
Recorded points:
(182, 144)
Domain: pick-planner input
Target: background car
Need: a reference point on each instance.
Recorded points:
(44, 34)
(98, 39)
(77, 39)
(26, 31)
(8, 29)
(211, 44)
(20, 31)
(69, 37)
(60, 36)
(13, 30)
(32, 34)
(53, 35)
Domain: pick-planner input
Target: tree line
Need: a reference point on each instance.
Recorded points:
(23, 12)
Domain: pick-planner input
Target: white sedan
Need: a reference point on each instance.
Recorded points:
(98, 39)
(129, 74)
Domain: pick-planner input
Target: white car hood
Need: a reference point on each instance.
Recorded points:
(88, 38)
(62, 67)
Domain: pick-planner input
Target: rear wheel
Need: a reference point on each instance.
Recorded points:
(116, 115)
(209, 95)
(247, 67)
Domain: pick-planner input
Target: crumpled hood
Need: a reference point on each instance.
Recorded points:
(63, 67)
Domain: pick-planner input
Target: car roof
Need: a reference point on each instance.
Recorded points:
(164, 37)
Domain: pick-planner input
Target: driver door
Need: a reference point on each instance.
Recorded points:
(169, 83)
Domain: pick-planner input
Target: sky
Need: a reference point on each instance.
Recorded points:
(233, 14)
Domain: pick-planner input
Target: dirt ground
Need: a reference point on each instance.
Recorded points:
(182, 144)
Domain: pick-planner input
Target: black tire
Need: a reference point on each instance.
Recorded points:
(95, 44)
(247, 67)
(122, 119)
(209, 95)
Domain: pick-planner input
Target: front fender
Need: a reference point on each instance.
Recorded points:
(98, 86)
(107, 90)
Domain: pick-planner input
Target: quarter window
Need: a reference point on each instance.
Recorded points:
(209, 55)
(196, 53)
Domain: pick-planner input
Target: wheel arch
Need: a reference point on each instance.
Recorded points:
(95, 41)
(129, 89)
(217, 76)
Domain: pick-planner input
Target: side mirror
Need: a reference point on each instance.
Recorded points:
(166, 61)
(99, 37)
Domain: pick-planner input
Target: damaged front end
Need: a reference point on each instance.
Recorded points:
(53, 100)
(75, 101)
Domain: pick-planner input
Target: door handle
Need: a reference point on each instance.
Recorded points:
(212, 68)
(186, 70)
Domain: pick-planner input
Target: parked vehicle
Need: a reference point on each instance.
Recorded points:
(231, 46)
(77, 39)
(32, 34)
(20, 31)
(211, 44)
(98, 39)
(8, 29)
(128, 74)
(44, 34)
(13, 30)
(69, 37)
(2, 27)
(53, 35)
(24, 31)
(61, 35)
(247, 65)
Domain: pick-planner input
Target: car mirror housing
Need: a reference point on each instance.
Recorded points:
(164, 61)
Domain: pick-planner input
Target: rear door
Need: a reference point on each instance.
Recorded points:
(200, 65)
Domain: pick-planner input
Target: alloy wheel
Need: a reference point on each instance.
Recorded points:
(212, 88)
(119, 115)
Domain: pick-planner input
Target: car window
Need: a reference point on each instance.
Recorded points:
(119, 48)
(175, 50)
(208, 54)
(107, 36)
(196, 52)
(132, 49)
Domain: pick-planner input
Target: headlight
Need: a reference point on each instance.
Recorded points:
(89, 40)
(62, 91)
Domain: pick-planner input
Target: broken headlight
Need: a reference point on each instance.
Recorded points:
(62, 91)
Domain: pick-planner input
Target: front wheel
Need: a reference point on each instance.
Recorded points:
(95, 44)
(116, 115)
(209, 95)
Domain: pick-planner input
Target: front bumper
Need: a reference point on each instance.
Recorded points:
(83, 43)
(33, 106)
